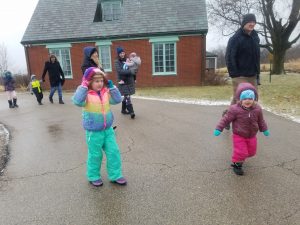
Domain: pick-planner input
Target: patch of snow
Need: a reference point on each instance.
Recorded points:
(285, 115)
(214, 103)
(186, 101)
(4, 133)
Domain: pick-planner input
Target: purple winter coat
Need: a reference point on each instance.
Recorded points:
(9, 84)
(245, 122)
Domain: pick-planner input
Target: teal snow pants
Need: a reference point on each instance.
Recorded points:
(103, 140)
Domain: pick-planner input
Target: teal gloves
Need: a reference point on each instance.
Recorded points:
(110, 84)
(266, 133)
(217, 132)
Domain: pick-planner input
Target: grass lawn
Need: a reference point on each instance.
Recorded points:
(281, 95)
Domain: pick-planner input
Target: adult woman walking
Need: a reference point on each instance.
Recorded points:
(128, 88)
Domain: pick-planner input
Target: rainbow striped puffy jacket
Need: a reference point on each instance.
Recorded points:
(96, 112)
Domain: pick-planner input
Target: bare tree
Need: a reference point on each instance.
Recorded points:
(277, 27)
(3, 58)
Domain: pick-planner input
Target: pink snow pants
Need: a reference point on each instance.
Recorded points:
(243, 148)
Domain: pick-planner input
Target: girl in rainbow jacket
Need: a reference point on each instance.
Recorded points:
(95, 95)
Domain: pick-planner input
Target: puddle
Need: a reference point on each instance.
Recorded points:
(55, 130)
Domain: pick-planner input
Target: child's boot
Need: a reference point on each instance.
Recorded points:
(61, 101)
(97, 183)
(130, 110)
(237, 168)
(10, 103)
(121, 181)
(124, 111)
(15, 103)
(51, 99)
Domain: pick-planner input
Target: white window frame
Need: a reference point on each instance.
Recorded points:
(109, 10)
(208, 62)
(101, 45)
(164, 41)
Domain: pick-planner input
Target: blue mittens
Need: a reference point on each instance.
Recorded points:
(217, 132)
(110, 84)
(266, 133)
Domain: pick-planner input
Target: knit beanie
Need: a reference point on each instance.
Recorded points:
(248, 18)
(247, 94)
(119, 50)
(92, 72)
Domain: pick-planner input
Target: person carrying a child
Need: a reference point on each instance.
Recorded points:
(9, 88)
(35, 88)
(247, 119)
(128, 88)
(95, 95)
(132, 63)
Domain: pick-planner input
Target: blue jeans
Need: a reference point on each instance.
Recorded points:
(53, 89)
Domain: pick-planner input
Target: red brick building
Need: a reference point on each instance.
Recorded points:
(169, 36)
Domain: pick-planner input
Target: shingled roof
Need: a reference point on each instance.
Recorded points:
(69, 20)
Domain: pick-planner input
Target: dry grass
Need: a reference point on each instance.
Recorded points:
(292, 66)
(282, 95)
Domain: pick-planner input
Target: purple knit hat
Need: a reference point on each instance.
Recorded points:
(90, 72)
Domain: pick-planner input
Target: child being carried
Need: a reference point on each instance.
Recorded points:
(132, 63)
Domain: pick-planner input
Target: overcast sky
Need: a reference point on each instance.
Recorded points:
(14, 18)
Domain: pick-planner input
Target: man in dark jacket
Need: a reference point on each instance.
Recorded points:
(56, 77)
(243, 54)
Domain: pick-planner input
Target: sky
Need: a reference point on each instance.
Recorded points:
(14, 18)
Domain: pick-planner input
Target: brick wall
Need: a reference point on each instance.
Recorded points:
(189, 66)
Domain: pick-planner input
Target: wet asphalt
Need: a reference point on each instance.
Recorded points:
(177, 171)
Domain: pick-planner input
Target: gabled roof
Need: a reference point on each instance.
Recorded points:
(72, 20)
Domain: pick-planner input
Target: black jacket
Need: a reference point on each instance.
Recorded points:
(243, 54)
(87, 61)
(129, 87)
(56, 74)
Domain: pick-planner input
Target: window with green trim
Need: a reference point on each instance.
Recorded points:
(63, 56)
(105, 57)
(164, 58)
(111, 10)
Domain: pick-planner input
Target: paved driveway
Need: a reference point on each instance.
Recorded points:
(177, 171)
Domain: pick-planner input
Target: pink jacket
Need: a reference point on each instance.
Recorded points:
(245, 123)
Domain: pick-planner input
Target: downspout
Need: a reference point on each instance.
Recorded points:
(203, 54)
(27, 59)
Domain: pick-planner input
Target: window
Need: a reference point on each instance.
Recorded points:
(210, 63)
(105, 57)
(63, 56)
(164, 58)
(164, 55)
(111, 10)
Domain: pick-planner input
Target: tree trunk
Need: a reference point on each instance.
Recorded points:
(278, 61)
